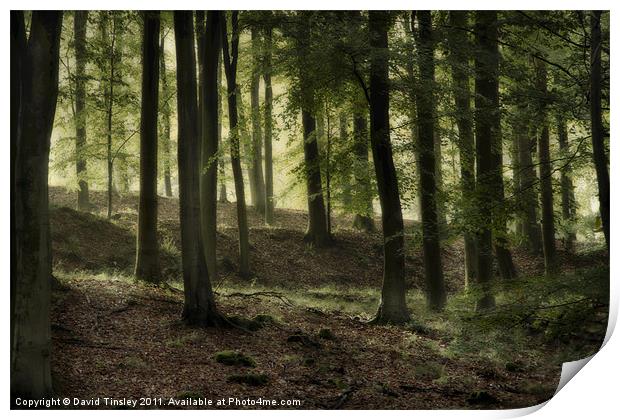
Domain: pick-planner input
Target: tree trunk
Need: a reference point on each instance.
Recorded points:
(18, 49)
(363, 219)
(316, 233)
(347, 199)
(269, 204)
(223, 197)
(486, 68)
(147, 252)
(199, 307)
(110, 40)
(79, 26)
(393, 306)
(165, 90)
(458, 45)
(598, 133)
(527, 194)
(212, 40)
(256, 166)
(567, 187)
(425, 101)
(230, 67)
(546, 187)
(30, 319)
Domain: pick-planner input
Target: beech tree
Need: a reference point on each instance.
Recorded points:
(35, 87)
(147, 253)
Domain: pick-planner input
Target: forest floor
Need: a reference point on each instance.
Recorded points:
(115, 337)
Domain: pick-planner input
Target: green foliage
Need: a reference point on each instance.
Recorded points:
(233, 358)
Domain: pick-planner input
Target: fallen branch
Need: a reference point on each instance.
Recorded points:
(83, 343)
(270, 294)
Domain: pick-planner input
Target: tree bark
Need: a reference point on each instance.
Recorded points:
(256, 167)
(269, 199)
(598, 134)
(212, 40)
(568, 190)
(546, 187)
(393, 306)
(165, 90)
(363, 219)
(425, 101)
(316, 233)
(199, 307)
(230, 67)
(458, 43)
(486, 68)
(527, 194)
(79, 27)
(223, 197)
(147, 252)
(30, 319)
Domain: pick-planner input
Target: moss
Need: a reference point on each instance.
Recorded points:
(326, 334)
(252, 379)
(232, 358)
(248, 324)
(428, 371)
(264, 319)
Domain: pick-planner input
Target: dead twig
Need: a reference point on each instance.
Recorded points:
(342, 399)
(270, 294)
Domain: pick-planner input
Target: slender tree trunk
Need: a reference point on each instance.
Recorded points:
(230, 67)
(30, 319)
(208, 169)
(256, 166)
(200, 50)
(147, 252)
(567, 187)
(269, 204)
(486, 68)
(425, 101)
(458, 44)
(347, 198)
(598, 133)
(109, 99)
(527, 195)
(363, 219)
(328, 173)
(223, 198)
(199, 307)
(546, 187)
(516, 180)
(393, 306)
(79, 28)
(165, 90)
(316, 233)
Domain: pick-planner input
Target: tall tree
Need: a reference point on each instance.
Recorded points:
(108, 29)
(80, 20)
(38, 59)
(393, 306)
(223, 197)
(267, 71)
(566, 184)
(425, 101)
(212, 45)
(257, 180)
(165, 113)
(199, 307)
(363, 218)
(458, 43)
(596, 119)
(486, 68)
(528, 183)
(147, 252)
(230, 67)
(317, 232)
(546, 186)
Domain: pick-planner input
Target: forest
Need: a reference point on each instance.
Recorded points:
(306, 209)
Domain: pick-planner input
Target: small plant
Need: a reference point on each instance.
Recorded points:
(232, 358)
